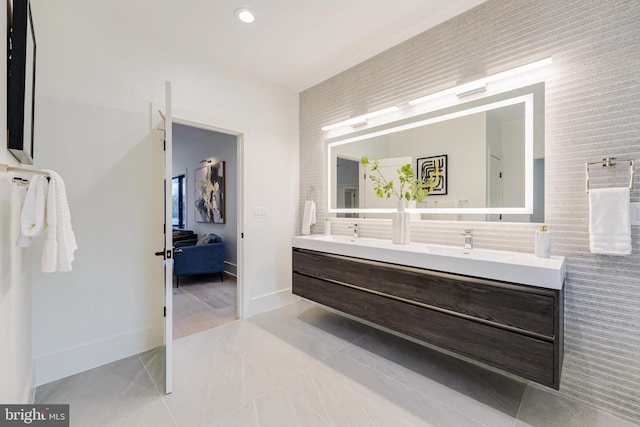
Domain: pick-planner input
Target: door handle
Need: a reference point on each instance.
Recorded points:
(165, 254)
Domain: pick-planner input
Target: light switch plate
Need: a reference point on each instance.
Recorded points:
(260, 212)
(635, 213)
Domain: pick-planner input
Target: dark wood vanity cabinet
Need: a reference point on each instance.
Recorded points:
(517, 328)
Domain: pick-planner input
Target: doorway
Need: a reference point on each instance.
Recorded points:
(347, 185)
(495, 186)
(205, 300)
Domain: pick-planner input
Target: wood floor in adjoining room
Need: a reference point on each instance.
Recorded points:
(203, 302)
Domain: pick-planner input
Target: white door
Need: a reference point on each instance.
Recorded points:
(167, 252)
(495, 186)
(168, 240)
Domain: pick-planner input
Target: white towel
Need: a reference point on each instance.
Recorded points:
(60, 241)
(609, 221)
(309, 216)
(32, 218)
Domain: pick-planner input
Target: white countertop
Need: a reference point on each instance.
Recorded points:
(515, 267)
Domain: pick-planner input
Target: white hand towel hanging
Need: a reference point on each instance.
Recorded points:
(309, 216)
(60, 241)
(32, 218)
(609, 221)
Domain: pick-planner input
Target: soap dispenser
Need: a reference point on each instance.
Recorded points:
(327, 227)
(543, 242)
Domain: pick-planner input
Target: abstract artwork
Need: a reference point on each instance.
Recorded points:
(433, 167)
(209, 197)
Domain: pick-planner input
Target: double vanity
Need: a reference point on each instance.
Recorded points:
(504, 309)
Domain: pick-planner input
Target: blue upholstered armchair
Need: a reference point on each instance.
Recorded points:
(207, 256)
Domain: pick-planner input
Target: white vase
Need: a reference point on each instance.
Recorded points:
(400, 225)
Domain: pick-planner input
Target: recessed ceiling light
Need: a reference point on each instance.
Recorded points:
(245, 15)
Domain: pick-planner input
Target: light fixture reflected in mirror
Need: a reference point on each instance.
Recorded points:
(360, 120)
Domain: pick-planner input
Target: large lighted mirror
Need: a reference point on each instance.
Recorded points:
(488, 155)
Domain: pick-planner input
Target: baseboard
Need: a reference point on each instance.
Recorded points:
(54, 366)
(270, 301)
(30, 390)
(231, 269)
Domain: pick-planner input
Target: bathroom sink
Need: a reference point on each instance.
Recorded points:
(362, 241)
(482, 254)
(508, 266)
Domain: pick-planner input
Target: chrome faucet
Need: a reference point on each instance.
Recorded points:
(468, 239)
(355, 231)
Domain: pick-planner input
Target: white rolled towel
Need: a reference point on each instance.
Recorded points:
(309, 216)
(60, 241)
(32, 218)
(609, 221)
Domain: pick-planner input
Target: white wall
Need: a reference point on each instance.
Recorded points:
(16, 367)
(464, 142)
(190, 146)
(513, 166)
(95, 85)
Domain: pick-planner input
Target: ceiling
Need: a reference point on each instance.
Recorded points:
(294, 43)
(299, 43)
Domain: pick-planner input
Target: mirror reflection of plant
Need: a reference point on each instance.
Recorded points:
(411, 188)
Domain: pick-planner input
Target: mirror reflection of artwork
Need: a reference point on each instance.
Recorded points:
(209, 188)
(485, 139)
(433, 167)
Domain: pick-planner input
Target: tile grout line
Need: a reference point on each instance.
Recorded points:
(408, 386)
(372, 332)
(149, 374)
(248, 362)
(315, 339)
(515, 422)
(160, 394)
(317, 389)
(307, 370)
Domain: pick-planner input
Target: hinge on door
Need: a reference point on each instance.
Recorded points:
(242, 235)
(500, 175)
(164, 144)
(165, 311)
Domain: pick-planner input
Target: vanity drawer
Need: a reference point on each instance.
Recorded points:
(506, 305)
(513, 352)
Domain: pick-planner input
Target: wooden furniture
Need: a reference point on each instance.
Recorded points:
(517, 328)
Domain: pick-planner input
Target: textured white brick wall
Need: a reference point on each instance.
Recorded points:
(592, 111)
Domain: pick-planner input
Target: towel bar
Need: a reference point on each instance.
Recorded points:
(7, 168)
(609, 161)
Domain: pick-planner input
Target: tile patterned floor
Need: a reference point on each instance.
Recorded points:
(304, 366)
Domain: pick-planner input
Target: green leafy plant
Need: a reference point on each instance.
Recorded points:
(410, 188)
